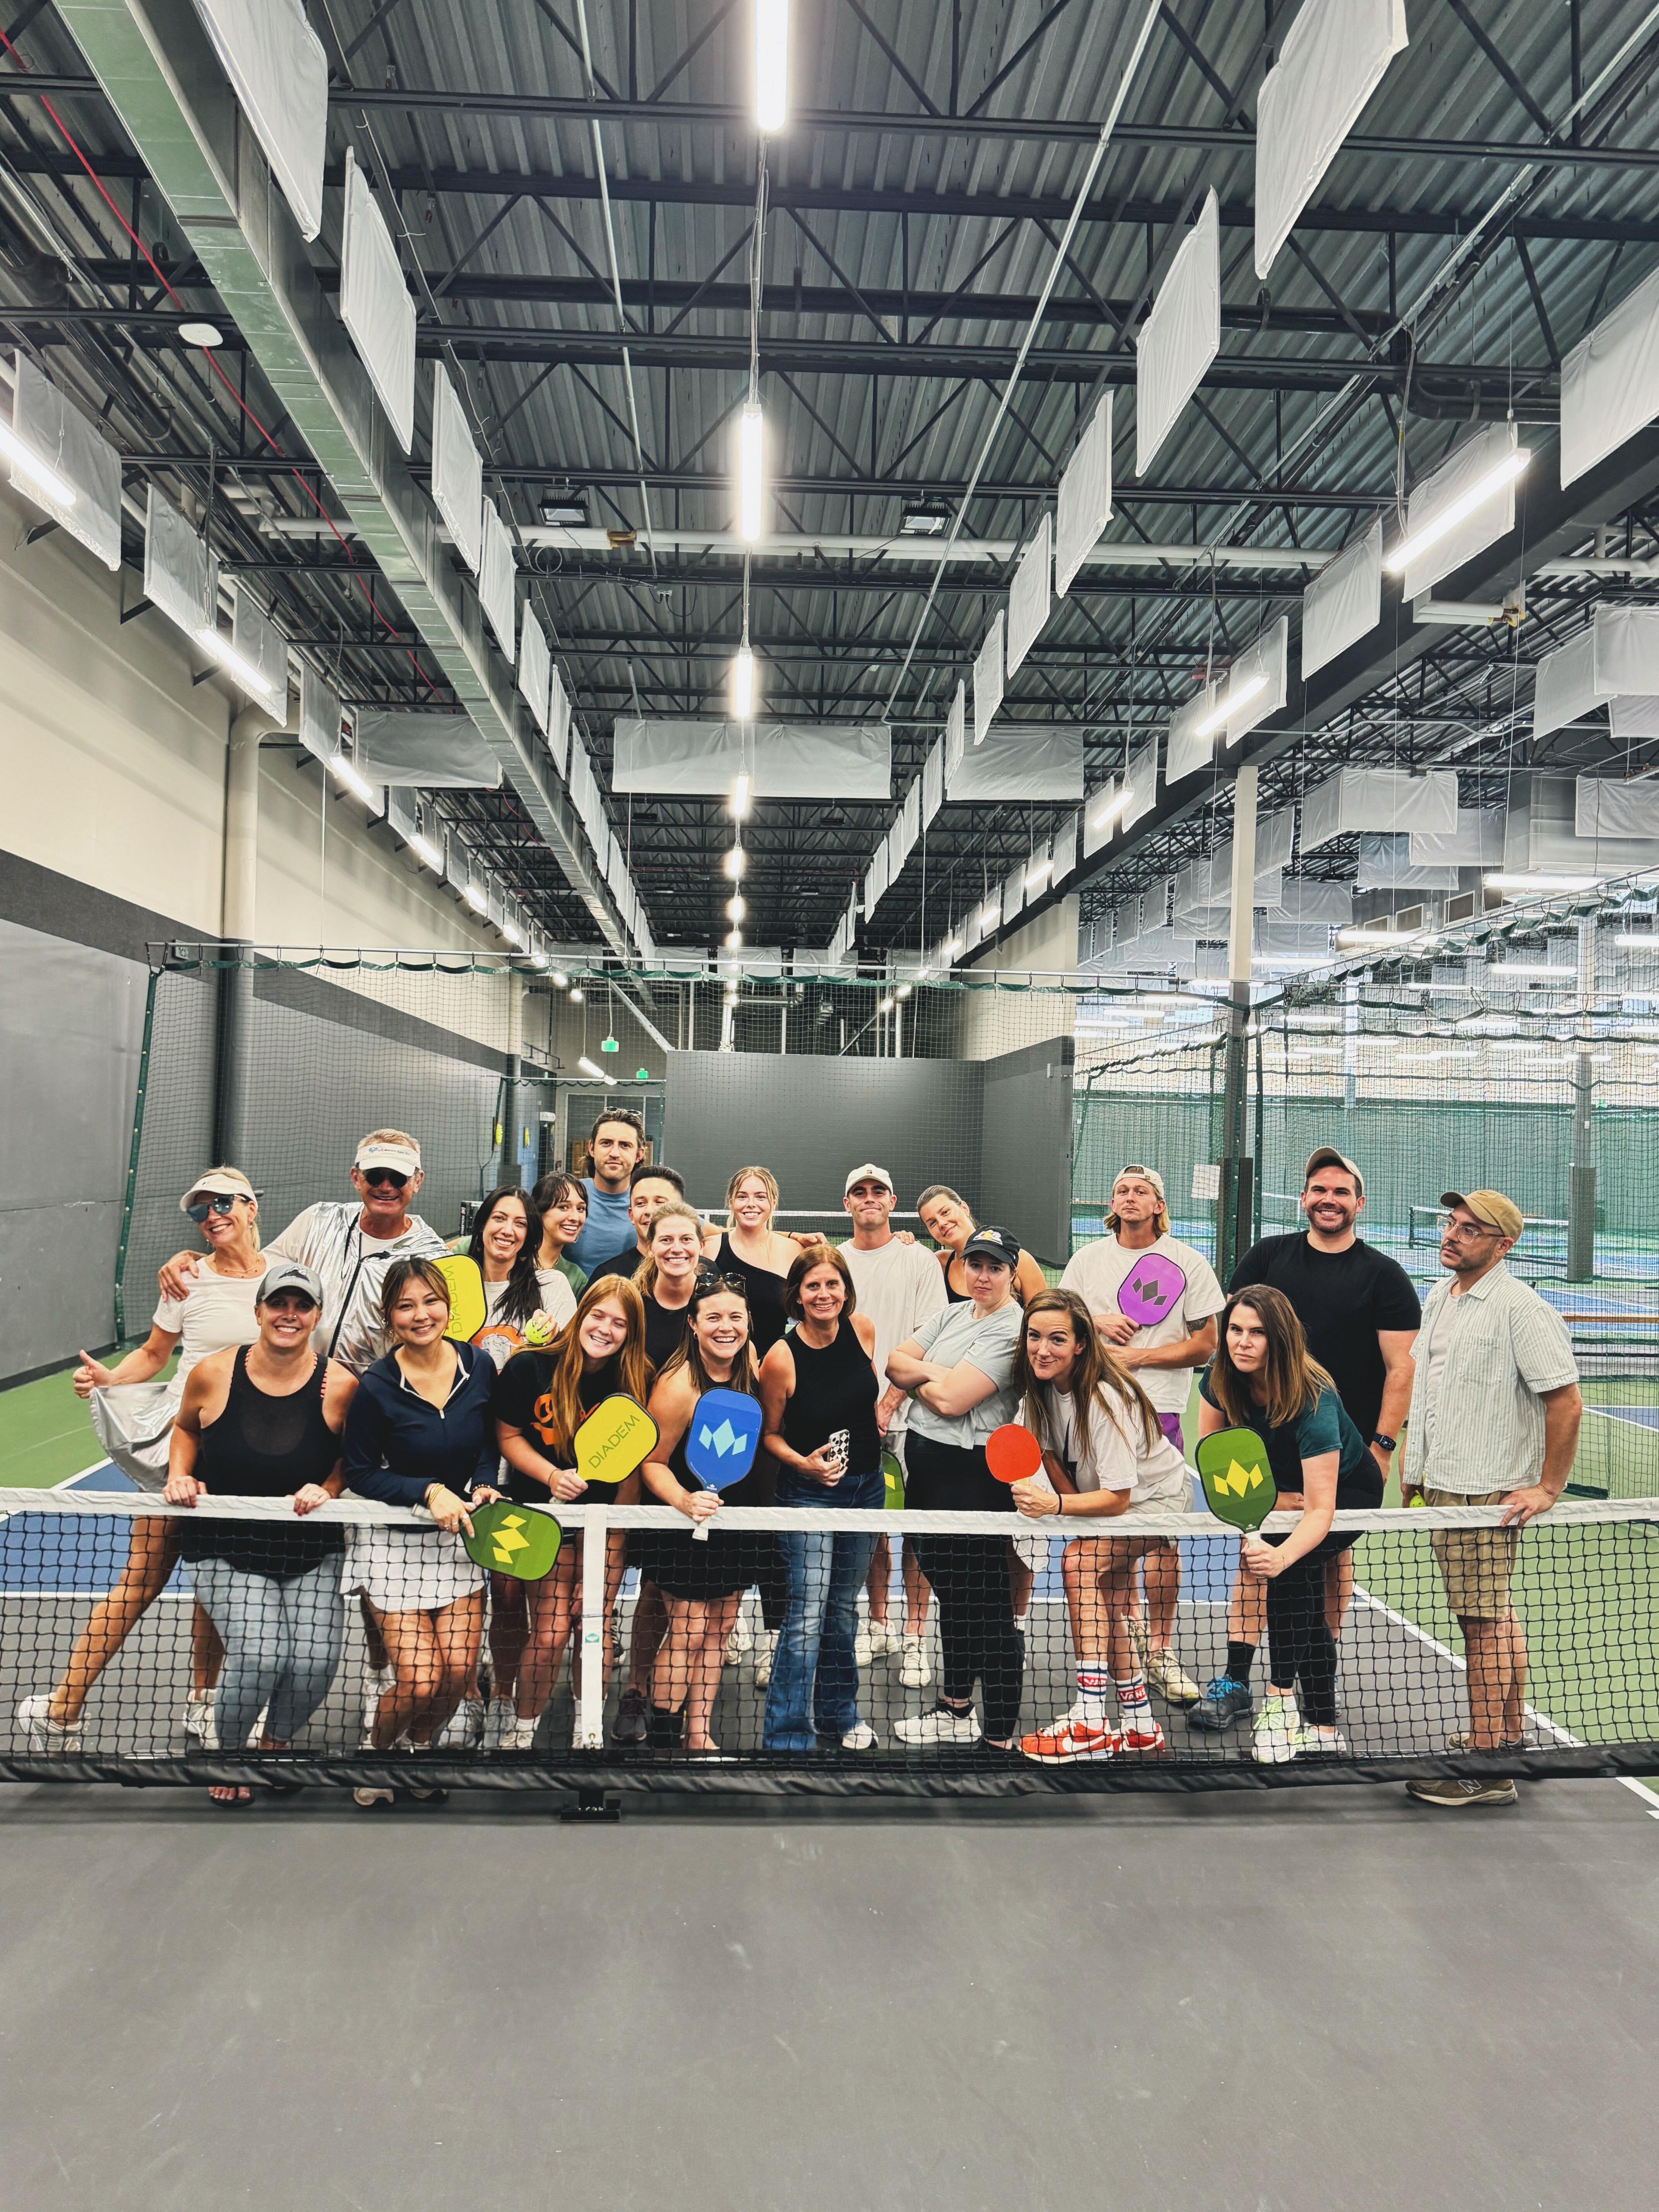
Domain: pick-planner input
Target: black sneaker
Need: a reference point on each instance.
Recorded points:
(1223, 1702)
(664, 1728)
(630, 1724)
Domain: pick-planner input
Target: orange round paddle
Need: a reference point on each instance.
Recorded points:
(1012, 1453)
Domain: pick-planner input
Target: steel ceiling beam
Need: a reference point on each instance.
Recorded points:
(153, 62)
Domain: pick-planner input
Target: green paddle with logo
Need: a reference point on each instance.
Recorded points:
(1238, 1482)
(892, 1482)
(513, 1539)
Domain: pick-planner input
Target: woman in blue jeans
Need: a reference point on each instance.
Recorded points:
(818, 1391)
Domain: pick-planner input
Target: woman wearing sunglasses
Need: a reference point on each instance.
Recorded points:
(132, 1414)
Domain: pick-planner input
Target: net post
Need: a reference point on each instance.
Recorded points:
(1581, 1166)
(590, 1706)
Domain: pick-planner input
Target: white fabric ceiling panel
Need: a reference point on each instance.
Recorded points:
(616, 872)
(875, 880)
(1610, 381)
(1065, 852)
(955, 735)
(1603, 807)
(1292, 941)
(262, 644)
(279, 73)
(1332, 61)
(1014, 893)
(456, 470)
(1385, 865)
(1386, 799)
(1099, 822)
(1141, 782)
(987, 679)
(1266, 664)
(1186, 752)
(1475, 458)
(78, 454)
(497, 588)
(1630, 719)
(1626, 652)
(179, 570)
(1028, 594)
(933, 782)
(1160, 951)
(375, 305)
(1477, 840)
(1182, 336)
(320, 716)
(1344, 602)
(1302, 899)
(1275, 840)
(782, 760)
(535, 670)
(910, 820)
(558, 718)
(433, 751)
(1565, 685)
(1026, 763)
(401, 810)
(1083, 506)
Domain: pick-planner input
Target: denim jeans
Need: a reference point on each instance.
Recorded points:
(815, 1684)
(282, 1644)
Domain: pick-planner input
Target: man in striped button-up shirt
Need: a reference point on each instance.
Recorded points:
(1495, 1392)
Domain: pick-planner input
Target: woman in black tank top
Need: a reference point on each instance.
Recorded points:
(818, 1390)
(264, 1421)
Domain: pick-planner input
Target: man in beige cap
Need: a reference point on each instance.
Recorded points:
(1496, 1391)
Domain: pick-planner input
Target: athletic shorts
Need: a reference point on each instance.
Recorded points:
(1475, 1563)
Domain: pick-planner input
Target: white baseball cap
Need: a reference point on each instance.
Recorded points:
(403, 1159)
(219, 1182)
(868, 1173)
(1141, 1175)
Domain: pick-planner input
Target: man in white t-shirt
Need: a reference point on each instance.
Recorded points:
(1155, 1301)
(898, 1284)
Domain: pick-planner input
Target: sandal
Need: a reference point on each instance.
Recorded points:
(230, 1797)
(370, 1800)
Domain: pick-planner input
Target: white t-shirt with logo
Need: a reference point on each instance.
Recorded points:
(1167, 1289)
(215, 1312)
(1119, 1456)
(899, 1285)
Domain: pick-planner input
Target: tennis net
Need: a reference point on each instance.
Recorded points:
(1011, 1625)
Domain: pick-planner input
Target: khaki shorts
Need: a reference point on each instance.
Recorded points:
(1475, 1563)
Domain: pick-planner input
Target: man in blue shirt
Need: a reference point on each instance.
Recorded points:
(614, 1149)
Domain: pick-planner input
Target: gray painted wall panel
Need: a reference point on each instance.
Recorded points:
(1025, 1172)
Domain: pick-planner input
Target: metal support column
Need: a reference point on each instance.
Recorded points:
(1236, 1209)
(1581, 1164)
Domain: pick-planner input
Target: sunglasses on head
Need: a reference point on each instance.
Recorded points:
(708, 1284)
(223, 1202)
(384, 1178)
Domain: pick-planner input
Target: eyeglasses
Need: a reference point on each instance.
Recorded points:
(384, 1178)
(223, 1202)
(1453, 1231)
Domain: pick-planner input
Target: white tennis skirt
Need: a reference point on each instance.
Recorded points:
(421, 1571)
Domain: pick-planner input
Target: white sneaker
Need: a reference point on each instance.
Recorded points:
(1311, 1742)
(1274, 1738)
(198, 1717)
(741, 1641)
(377, 1684)
(464, 1727)
(766, 1650)
(1165, 1674)
(864, 1643)
(519, 1736)
(498, 1720)
(940, 1726)
(367, 1800)
(862, 1737)
(913, 1671)
(46, 1734)
(254, 1733)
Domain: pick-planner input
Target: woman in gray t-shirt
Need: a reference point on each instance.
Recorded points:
(957, 1370)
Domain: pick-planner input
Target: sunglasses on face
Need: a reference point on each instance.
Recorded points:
(384, 1179)
(221, 1203)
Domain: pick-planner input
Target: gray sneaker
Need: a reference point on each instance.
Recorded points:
(1223, 1702)
(1455, 1794)
(632, 1710)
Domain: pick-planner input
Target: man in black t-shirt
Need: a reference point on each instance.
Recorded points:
(1361, 1314)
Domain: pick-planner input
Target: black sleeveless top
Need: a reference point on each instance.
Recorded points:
(766, 1318)
(665, 1331)
(263, 1446)
(834, 1388)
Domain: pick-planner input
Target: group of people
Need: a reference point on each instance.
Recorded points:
(323, 1363)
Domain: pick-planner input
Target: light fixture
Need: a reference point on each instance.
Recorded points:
(201, 334)
(1037, 873)
(733, 939)
(1448, 517)
(735, 909)
(904, 990)
(344, 773)
(588, 1068)
(1638, 941)
(990, 917)
(751, 472)
(1399, 938)
(885, 1006)
(928, 518)
(732, 865)
(576, 996)
(240, 670)
(771, 64)
(477, 898)
(425, 849)
(46, 479)
(1556, 970)
(561, 511)
(538, 958)
(742, 684)
(562, 980)
(1225, 709)
(950, 951)
(739, 802)
(512, 932)
(1530, 880)
(1116, 802)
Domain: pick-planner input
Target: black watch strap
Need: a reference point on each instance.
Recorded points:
(1388, 1443)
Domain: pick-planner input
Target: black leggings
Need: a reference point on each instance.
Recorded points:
(774, 1587)
(978, 1641)
(1302, 1651)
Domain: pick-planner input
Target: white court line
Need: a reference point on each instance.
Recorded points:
(97, 1467)
(1434, 1643)
(1650, 1797)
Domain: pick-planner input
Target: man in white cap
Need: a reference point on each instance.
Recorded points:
(1154, 1299)
(898, 1284)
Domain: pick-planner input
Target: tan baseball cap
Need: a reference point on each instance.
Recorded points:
(219, 1182)
(1488, 1206)
(868, 1173)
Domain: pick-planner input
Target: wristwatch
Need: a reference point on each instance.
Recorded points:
(1388, 1443)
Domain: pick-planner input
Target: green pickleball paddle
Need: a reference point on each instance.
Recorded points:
(1238, 1483)
(513, 1539)
(892, 1483)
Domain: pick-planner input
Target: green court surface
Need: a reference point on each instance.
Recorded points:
(44, 1434)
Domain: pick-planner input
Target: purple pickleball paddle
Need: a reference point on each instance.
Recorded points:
(1152, 1290)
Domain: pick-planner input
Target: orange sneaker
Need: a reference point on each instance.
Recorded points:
(1143, 1733)
(1071, 1738)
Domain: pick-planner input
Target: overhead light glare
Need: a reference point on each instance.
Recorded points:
(425, 849)
(1555, 970)
(735, 909)
(1117, 803)
(513, 934)
(1400, 939)
(751, 472)
(238, 669)
(733, 864)
(561, 979)
(951, 951)
(1447, 520)
(733, 939)
(1225, 709)
(739, 800)
(771, 64)
(477, 898)
(990, 917)
(742, 684)
(38, 472)
(344, 773)
(904, 989)
(1532, 880)
(1037, 873)
(576, 996)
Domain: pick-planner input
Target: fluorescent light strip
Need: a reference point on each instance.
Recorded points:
(751, 473)
(342, 772)
(739, 800)
(38, 472)
(1447, 519)
(1534, 880)
(1565, 978)
(425, 849)
(771, 64)
(742, 684)
(597, 1074)
(1037, 874)
(242, 671)
(1220, 714)
(477, 899)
